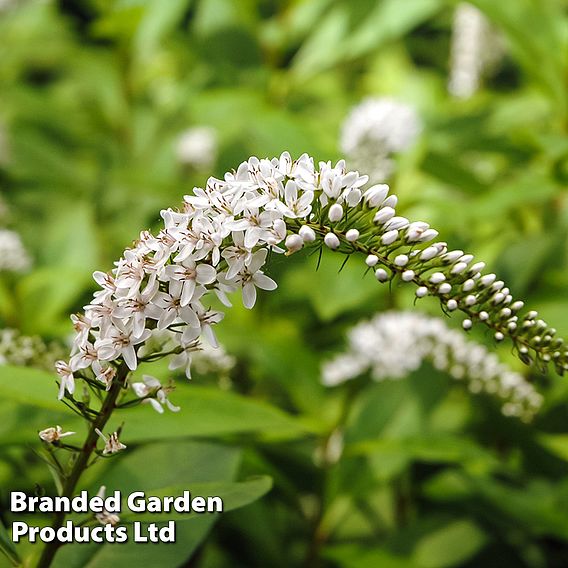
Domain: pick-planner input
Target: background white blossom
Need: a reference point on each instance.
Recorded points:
(394, 344)
(376, 129)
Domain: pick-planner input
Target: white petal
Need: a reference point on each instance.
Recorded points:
(264, 282)
(249, 295)
(205, 274)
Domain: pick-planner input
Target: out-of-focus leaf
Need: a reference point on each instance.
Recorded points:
(47, 296)
(195, 462)
(556, 443)
(209, 412)
(451, 545)
(537, 36)
(353, 556)
(7, 547)
(331, 292)
(234, 495)
(29, 386)
(335, 41)
(159, 19)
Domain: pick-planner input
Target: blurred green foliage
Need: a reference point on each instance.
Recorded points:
(93, 97)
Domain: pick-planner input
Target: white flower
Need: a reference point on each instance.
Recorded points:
(374, 129)
(13, 255)
(475, 49)
(173, 308)
(152, 386)
(121, 341)
(197, 147)
(51, 435)
(112, 443)
(394, 344)
(190, 274)
(67, 380)
(253, 278)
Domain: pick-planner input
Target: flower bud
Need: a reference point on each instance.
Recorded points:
(429, 253)
(353, 197)
(499, 336)
(458, 267)
(408, 275)
(389, 237)
(466, 324)
(452, 305)
(376, 194)
(452, 256)
(371, 260)
(444, 288)
(437, 277)
(468, 285)
(352, 235)
(390, 201)
(483, 315)
(307, 233)
(487, 280)
(428, 235)
(401, 260)
(331, 241)
(381, 275)
(477, 267)
(294, 243)
(421, 291)
(415, 230)
(335, 213)
(396, 223)
(470, 300)
(383, 215)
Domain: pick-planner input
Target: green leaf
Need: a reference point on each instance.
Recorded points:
(7, 546)
(208, 412)
(29, 386)
(556, 443)
(205, 411)
(536, 34)
(451, 545)
(354, 556)
(233, 495)
(150, 469)
(159, 19)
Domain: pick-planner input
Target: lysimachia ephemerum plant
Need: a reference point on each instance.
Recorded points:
(392, 345)
(153, 304)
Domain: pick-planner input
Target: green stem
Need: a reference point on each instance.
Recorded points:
(82, 460)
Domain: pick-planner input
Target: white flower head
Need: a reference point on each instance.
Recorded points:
(374, 130)
(394, 344)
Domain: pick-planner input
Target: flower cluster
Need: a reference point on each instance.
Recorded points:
(28, 351)
(475, 49)
(374, 130)
(13, 255)
(197, 147)
(394, 344)
(220, 240)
